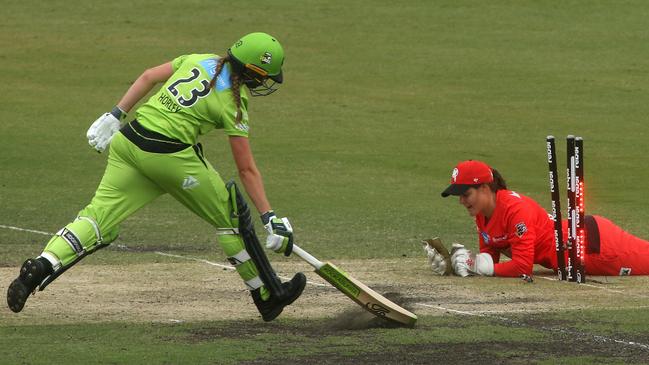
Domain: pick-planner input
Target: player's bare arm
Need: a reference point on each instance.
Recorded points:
(164, 157)
(103, 129)
(249, 173)
(280, 231)
(145, 83)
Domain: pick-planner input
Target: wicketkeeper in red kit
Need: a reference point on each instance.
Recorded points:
(516, 226)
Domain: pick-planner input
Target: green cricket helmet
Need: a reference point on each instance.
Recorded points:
(258, 57)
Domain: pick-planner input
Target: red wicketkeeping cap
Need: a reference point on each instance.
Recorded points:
(467, 174)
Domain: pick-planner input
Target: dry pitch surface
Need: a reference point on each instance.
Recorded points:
(195, 290)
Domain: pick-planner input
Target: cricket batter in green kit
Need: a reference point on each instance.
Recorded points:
(158, 153)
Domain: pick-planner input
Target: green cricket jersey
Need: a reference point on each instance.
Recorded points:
(186, 107)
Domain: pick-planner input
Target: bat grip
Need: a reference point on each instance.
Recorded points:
(317, 264)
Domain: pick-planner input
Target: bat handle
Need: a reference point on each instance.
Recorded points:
(307, 257)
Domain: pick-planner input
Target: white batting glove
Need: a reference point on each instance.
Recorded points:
(101, 132)
(435, 260)
(280, 233)
(466, 263)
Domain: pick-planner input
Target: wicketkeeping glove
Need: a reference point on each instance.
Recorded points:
(101, 132)
(280, 233)
(439, 258)
(466, 263)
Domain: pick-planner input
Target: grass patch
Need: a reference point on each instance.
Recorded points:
(381, 100)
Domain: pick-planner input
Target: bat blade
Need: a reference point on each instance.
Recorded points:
(367, 298)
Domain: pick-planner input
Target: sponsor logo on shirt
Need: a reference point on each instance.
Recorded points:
(485, 237)
(209, 65)
(223, 81)
(521, 228)
(500, 238)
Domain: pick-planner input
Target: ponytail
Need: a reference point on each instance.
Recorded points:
(498, 183)
(235, 82)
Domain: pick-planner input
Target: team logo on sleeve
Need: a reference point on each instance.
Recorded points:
(266, 58)
(242, 127)
(521, 228)
(485, 237)
(625, 271)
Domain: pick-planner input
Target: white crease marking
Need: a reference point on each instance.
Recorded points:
(157, 252)
(228, 267)
(583, 284)
(26, 230)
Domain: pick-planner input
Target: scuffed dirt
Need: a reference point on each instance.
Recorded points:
(197, 291)
(194, 291)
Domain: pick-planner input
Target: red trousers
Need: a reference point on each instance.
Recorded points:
(620, 253)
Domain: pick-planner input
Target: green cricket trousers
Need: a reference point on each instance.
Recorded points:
(143, 165)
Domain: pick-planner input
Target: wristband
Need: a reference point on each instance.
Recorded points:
(118, 113)
(265, 218)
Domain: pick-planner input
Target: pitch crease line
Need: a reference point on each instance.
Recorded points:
(232, 268)
(228, 267)
(26, 230)
(588, 285)
(157, 252)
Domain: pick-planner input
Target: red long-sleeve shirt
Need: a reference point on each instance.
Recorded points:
(520, 227)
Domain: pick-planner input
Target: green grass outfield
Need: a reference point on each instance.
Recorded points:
(381, 100)
(437, 340)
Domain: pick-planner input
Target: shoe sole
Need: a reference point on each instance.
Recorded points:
(17, 296)
(18, 290)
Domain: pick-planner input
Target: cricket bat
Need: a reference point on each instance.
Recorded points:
(367, 298)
